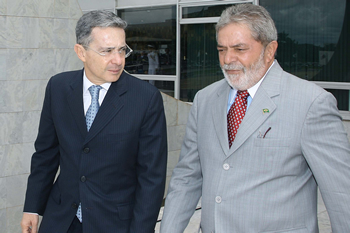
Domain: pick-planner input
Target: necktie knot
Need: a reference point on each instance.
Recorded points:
(94, 91)
(243, 94)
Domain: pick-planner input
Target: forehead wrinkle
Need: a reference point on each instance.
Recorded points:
(238, 45)
(107, 36)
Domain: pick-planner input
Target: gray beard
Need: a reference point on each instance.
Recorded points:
(250, 76)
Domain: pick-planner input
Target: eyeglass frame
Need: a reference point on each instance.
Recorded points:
(119, 51)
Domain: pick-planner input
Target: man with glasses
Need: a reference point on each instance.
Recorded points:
(105, 132)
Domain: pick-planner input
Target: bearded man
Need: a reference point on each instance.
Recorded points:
(259, 142)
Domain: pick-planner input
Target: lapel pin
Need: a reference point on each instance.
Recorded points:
(265, 110)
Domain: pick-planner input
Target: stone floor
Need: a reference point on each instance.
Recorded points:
(323, 219)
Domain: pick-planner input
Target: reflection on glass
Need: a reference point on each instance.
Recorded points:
(203, 11)
(199, 59)
(311, 38)
(151, 33)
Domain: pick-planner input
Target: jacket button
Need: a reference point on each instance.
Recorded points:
(218, 199)
(83, 179)
(226, 166)
(74, 206)
(86, 150)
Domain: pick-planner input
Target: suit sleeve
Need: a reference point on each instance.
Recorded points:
(185, 186)
(151, 167)
(326, 148)
(45, 161)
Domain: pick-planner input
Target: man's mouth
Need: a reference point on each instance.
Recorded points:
(114, 70)
(232, 71)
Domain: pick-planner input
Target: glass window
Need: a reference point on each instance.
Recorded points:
(203, 11)
(313, 40)
(151, 33)
(199, 59)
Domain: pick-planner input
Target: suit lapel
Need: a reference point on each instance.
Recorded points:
(75, 101)
(219, 113)
(263, 99)
(111, 105)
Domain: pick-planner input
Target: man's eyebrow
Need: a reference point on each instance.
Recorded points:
(113, 47)
(104, 48)
(232, 46)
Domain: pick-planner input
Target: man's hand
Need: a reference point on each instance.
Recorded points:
(29, 223)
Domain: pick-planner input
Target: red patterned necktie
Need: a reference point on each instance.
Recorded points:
(235, 115)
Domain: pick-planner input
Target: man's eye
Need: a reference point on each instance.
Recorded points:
(107, 51)
(122, 50)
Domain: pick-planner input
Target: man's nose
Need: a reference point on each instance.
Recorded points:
(230, 56)
(117, 58)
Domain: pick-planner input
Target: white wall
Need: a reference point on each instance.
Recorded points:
(36, 42)
(88, 5)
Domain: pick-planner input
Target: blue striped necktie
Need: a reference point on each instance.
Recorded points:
(93, 109)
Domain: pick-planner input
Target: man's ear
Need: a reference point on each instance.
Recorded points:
(80, 51)
(270, 51)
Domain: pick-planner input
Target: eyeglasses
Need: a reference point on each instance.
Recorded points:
(124, 51)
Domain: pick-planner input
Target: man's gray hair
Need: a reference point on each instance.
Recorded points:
(97, 18)
(255, 17)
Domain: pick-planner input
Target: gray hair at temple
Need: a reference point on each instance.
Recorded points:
(255, 17)
(97, 18)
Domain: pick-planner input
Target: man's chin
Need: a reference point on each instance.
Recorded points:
(234, 81)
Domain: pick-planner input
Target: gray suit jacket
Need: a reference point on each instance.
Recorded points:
(263, 184)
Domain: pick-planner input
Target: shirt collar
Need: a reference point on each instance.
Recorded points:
(87, 83)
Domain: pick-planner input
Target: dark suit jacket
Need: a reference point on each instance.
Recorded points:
(117, 170)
